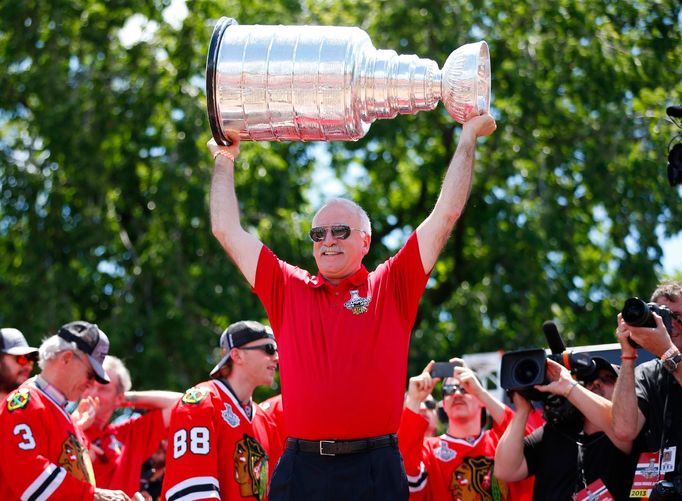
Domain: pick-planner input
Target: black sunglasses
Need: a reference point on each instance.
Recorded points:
(25, 359)
(339, 232)
(269, 349)
(450, 389)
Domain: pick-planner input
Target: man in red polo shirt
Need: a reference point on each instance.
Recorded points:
(342, 328)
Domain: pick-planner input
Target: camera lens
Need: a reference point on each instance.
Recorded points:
(526, 371)
(636, 313)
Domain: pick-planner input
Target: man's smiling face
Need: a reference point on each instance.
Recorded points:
(338, 258)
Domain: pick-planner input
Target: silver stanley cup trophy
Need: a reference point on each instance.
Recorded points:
(328, 83)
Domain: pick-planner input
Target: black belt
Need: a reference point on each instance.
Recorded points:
(338, 447)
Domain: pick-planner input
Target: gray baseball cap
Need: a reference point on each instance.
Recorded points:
(13, 342)
(238, 334)
(90, 340)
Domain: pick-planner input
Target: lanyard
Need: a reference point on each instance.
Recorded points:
(580, 483)
(581, 480)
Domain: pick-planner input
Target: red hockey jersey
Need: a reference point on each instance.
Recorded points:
(42, 451)
(277, 439)
(448, 468)
(213, 448)
(125, 447)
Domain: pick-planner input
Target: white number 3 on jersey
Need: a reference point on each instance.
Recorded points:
(28, 441)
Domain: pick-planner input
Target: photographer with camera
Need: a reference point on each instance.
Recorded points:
(457, 464)
(647, 402)
(575, 454)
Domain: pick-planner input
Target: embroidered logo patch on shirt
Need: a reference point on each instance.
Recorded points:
(18, 399)
(444, 453)
(230, 417)
(357, 304)
(74, 459)
(194, 395)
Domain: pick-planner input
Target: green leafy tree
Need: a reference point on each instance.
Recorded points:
(104, 173)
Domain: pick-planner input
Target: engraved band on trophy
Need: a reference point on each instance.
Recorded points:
(328, 83)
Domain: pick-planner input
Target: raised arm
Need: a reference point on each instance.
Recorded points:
(154, 399)
(473, 386)
(510, 461)
(434, 231)
(595, 408)
(627, 419)
(411, 433)
(419, 388)
(243, 247)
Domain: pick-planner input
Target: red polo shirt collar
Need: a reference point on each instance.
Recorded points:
(355, 280)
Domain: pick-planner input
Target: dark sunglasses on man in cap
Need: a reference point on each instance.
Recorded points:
(269, 349)
(25, 359)
(339, 232)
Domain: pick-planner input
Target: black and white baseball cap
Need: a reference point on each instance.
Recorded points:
(90, 340)
(238, 334)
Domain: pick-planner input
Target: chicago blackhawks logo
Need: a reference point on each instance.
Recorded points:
(18, 399)
(251, 467)
(357, 304)
(194, 395)
(75, 459)
(473, 481)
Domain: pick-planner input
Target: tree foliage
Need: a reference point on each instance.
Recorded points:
(104, 173)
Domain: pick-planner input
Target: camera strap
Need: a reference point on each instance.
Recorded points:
(581, 482)
(582, 443)
(667, 417)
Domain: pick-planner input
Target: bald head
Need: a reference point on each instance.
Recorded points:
(351, 207)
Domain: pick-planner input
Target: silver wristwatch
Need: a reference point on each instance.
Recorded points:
(670, 363)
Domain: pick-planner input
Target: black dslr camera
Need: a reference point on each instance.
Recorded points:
(521, 370)
(675, 148)
(667, 490)
(637, 313)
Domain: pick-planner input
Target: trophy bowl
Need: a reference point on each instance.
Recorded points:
(328, 83)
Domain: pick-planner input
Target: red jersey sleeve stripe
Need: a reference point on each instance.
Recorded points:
(418, 482)
(194, 488)
(45, 484)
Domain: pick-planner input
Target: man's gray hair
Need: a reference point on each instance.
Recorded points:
(114, 365)
(365, 223)
(51, 347)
